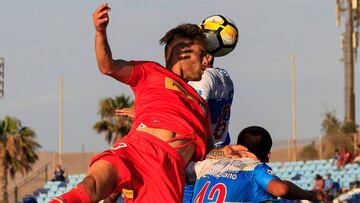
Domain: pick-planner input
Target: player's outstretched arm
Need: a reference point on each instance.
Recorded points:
(118, 69)
(288, 190)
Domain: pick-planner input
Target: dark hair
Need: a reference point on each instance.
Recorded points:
(257, 140)
(318, 177)
(29, 199)
(184, 31)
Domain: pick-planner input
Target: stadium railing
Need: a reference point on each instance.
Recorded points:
(37, 179)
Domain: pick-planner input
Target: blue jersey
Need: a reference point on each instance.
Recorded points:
(216, 87)
(232, 180)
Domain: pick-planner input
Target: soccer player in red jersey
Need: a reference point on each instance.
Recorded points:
(171, 126)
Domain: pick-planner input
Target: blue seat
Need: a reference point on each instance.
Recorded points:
(42, 195)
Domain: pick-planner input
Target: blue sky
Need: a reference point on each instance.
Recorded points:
(41, 40)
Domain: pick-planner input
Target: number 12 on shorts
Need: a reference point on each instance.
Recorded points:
(217, 193)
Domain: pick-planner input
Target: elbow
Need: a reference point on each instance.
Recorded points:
(105, 65)
(282, 191)
(106, 69)
(278, 188)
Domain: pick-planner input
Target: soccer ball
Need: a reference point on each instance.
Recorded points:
(221, 34)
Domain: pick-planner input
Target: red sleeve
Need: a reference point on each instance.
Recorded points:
(137, 74)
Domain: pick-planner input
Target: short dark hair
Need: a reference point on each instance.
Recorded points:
(184, 31)
(257, 140)
(318, 177)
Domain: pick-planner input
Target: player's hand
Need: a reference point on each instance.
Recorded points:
(230, 151)
(239, 151)
(101, 18)
(129, 112)
(320, 195)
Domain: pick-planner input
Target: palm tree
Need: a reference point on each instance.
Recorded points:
(331, 125)
(17, 151)
(113, 126)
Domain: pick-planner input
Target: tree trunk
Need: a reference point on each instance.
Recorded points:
(3, 181)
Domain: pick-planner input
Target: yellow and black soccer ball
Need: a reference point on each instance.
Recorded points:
(221, 35)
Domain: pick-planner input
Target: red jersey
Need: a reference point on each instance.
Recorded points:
(163, 100)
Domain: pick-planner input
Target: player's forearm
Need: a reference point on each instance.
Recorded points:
(295, 192)
(288, 190)
(103, 54)
(118, 69)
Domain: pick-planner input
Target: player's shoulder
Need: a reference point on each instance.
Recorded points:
(262, 165)
(219, 73)
(149, 68)
(264, 168)
(146, 63)
(219, 70)
(213, 73)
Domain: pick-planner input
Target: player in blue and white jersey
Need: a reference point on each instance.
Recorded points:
(227, 176)
(217, 88)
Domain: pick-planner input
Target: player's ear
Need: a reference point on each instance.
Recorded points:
(210, 59)
(268, 156)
